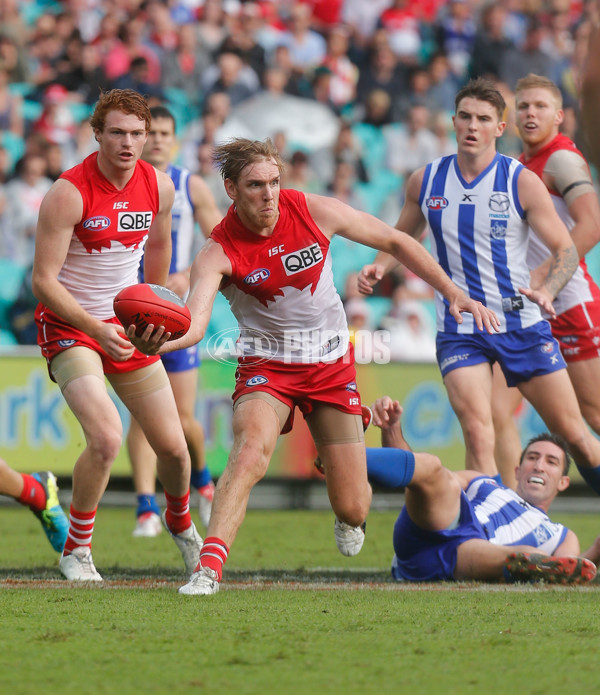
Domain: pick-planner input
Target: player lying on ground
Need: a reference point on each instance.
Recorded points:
(462, 525)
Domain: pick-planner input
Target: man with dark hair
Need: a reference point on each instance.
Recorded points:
(270, 258)
(479, 206)
(94, 224)
(462, 525)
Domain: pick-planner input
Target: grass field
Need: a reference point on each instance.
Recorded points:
(293, 617)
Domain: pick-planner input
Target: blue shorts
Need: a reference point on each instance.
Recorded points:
(522, 354)
(428, 556)
(182, 360)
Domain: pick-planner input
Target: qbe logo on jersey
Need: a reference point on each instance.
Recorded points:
(298, 261)
(134, 221)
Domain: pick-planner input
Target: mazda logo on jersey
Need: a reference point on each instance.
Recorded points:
(436, 202)
(134, 221)
(300, 260)
(257, 277)
(499, 202)
(97, 222)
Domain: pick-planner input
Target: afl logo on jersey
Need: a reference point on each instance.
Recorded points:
(437, 202)
(257, 381)
(257, 277)
(97, 222)
(300, 260)
(499, 202)
(134, 221)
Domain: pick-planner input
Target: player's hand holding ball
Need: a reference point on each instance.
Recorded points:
(146, 305)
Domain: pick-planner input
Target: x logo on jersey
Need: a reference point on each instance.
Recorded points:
(467, 197)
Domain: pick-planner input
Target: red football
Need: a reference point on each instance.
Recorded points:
(145, 303)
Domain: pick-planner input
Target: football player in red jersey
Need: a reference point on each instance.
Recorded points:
(94, 224)
(564, 170)
(270, 258)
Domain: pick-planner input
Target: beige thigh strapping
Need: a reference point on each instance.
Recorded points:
(329, 425)
(140, 382)
(74, 363)
(282, 410)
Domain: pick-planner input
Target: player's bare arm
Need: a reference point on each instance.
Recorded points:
(411, 221)
(209, 268)
(570, 546)
(61, 210)
(157, 252)
(335, 217)
(546, 223)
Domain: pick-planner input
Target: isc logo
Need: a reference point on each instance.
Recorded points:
(97, 222)
(134, 221)
(301, 260)
(257, 277)
(437, 202)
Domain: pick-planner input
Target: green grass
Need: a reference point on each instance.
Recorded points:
(274, 628)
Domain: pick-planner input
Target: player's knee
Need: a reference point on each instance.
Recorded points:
(105, 445)
(251, 460)
(353, 509)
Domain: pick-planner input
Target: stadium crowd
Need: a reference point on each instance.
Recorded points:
(356, 95)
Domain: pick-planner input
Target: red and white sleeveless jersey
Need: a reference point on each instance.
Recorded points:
(281, 289)
(107, 245)
(581, 288)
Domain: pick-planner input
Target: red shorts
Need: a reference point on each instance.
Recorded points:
(55, 336)
(302, 385)
(577, 331)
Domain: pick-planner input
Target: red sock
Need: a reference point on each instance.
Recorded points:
(33, 495)
(178, 515)
(214, 554)
(81, 527)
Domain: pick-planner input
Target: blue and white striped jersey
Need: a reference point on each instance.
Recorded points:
(183, 223)
(480, 238)
(508, 520)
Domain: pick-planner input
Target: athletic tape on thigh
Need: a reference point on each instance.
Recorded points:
(74, 363)
(140, 382)
(329, 425)
(282, 410)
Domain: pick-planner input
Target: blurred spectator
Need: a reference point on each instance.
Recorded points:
(184, 67)
(418, 92)
(5, 172)
(569, 75)
(455, 34)
(443, 84)
(344, 74)
(347, 148)
(13, 59)
(378, 108)
(410, 331)
(307, 47)
(299, 174)
(12, 23)
(134, 41)
(82, 74)
(491, 43)
(212, 28)
(519, 62)
(163, 35)
(138, 79)
(342, 186)
(382, 72)
(242, 38)
(211, 176)
(363, 17)
(297, 84)
(56, 122)
(558, 42)
(23, 196)
(11, 114)
(44, 51)
(231, 76)
(510, 142)
(413, 145)
(401, 22)
(53, 155)
(441, 127)
(114, 57)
